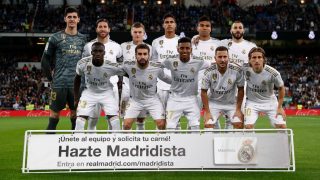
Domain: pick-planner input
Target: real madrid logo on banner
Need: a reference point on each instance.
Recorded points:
(111, 52)
(89, 69)
(161, 43)
(229, 81)
(133, 71)
(246, 152)
(150, 76)
(175, 65)
(192, 70)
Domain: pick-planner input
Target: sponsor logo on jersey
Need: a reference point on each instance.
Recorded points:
(175, 65)
(133, 71)
(246, 152)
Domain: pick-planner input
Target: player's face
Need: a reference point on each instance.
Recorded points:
(142, 56)
(97, 55)
(72, 19)
(137, 34)
(222, 59)
(169, 25)
(102, 29)
(184, 50)
(204, 28)
(257, 61)
(237, 30)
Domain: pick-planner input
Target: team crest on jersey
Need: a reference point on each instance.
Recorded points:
(150, 76)
(214, 76)
(229, 44)
(229, 81)
(128, 47)
(263, 83)
(111, 52)
(133, 71)
(63, 36)
(105, 75)
(212, 48)
(175, 65)
(161, 43)
(89, 69)
(192, 70)
(247, 75)
(243, 51)
(246, 152)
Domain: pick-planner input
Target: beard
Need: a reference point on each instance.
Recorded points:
(237, 35)
(143, 62)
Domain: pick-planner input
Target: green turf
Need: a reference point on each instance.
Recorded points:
(306, 139)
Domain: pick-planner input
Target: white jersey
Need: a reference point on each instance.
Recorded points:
(113, 53)
(164, 48)
(143, 82)
(184, 76)
(204, 50)
(128, 51)
(97, 79)
(260, 86)
(238, 52)
(223, 86)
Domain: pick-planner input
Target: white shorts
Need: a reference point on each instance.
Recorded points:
(163, 95)
(89, 102)
(252, 110)
(152, 105)
(217, 109)
(97, 111)
(182, 105)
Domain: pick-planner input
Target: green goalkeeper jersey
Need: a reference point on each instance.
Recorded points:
(60, 57)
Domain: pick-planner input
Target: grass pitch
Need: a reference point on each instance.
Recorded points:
(306, 141)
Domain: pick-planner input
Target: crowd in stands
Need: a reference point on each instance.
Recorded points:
(20, 87)
(41, 17)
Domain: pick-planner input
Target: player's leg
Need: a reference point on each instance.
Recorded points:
(132, 111)
(164, 96)
(109, 104)
(215, 114)
(155, 108)
(140, 123)
(86, 105)
(192, 113)
(251, 114)
(276, 120)
(237, 123)
(173, 113)
(57, 103)
(70, 101)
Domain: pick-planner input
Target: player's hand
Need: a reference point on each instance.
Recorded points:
(280, 111)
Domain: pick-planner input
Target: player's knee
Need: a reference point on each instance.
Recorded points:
(280, 126)
(54, 114)
(249, 126)
(238, 125)
(126, 125)
(161, 124)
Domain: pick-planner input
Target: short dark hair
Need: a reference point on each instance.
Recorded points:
(169, 15)
(71, 10)
(204, 18)
(142, 46)
(97, 44)
(221, 48)
(137, 25)
(102, 20)
(184, 40)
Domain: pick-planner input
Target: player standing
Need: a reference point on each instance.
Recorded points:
(59, 59)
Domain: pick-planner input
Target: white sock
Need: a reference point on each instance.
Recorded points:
(140, 126)
(114, 123)
(80, 123)
(92, 123)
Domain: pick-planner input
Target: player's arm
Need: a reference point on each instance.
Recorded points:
(154, 53)
(205, 102)
(164, 77)
(205, 64)
(280, 110)
(47, 61)
(240, 96)
(76, 89)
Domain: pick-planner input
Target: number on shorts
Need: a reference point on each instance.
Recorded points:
(247, 112)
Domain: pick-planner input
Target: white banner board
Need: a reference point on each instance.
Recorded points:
(156, 151)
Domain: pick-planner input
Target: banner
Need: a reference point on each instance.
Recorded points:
(156, 151)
